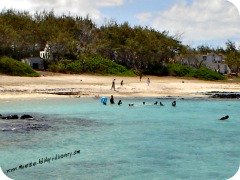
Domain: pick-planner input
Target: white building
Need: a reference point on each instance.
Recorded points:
(46, 53)
(212, 61)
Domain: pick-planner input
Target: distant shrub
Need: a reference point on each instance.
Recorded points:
(75, 67)
(207, 74)
(179, 70)
(13, 67)
(58, 67)
(104, 66)
(95, 65)
(201, 73)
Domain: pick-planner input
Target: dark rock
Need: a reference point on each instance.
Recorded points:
(26, 116)
(10, 117)
(224, 118)
(226, 95)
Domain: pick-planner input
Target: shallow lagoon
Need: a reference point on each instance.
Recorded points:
(121, 142)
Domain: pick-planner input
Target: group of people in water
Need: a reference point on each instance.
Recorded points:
(174, 103)
(104, 101)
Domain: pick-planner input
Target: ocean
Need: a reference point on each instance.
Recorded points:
(80, 138)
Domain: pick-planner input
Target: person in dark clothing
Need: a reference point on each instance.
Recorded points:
(113, 85)
(174, 103)
(122, 83)
(140, 76)
(112, 100)
(119, 102)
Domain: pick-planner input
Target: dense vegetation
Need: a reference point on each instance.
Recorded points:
(96, 65)
(15, 68)
(75, 38)
(78, 45)
(201, 73)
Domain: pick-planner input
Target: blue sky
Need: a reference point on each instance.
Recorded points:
(194, 22)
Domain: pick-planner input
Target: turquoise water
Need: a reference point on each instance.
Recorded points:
(121, 142)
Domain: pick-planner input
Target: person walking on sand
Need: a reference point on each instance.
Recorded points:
(148, 81)
(140, 76)
(113, 85)
(122, 83)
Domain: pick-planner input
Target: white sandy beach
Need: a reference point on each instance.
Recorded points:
(50, 84)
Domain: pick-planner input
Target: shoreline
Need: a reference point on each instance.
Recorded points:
(76, 86)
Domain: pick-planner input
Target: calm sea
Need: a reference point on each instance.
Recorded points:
(79, 138)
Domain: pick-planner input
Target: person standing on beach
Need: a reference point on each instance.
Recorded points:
(113, 85)
(122, 83)
(148, 81)
(140, 76)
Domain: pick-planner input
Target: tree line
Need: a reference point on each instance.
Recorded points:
(143, 49)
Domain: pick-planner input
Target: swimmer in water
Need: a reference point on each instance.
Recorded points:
(119, 102)
(112, 100)
(174, 103)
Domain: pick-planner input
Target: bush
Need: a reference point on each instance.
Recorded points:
(13, 67)
(75, 67)
(104, 66)
(95, 65)
(179, 70)
(201, 73)
(207, 74)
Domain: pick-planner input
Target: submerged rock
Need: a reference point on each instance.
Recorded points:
(10, 117)
(25, 127)
(21, 124)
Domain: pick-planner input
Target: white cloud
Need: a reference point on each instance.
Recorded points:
(202, 20)
(236, 3)
(144, 17)
(75, 7)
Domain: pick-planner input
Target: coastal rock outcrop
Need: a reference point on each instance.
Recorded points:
(224, 95)
(26, 116)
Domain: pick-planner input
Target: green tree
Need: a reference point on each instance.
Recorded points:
(232, 57)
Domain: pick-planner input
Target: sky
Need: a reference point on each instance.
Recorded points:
(194, 22)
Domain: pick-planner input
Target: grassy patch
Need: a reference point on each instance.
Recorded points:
(13, 67)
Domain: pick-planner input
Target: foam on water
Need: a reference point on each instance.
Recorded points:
(138, 142)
